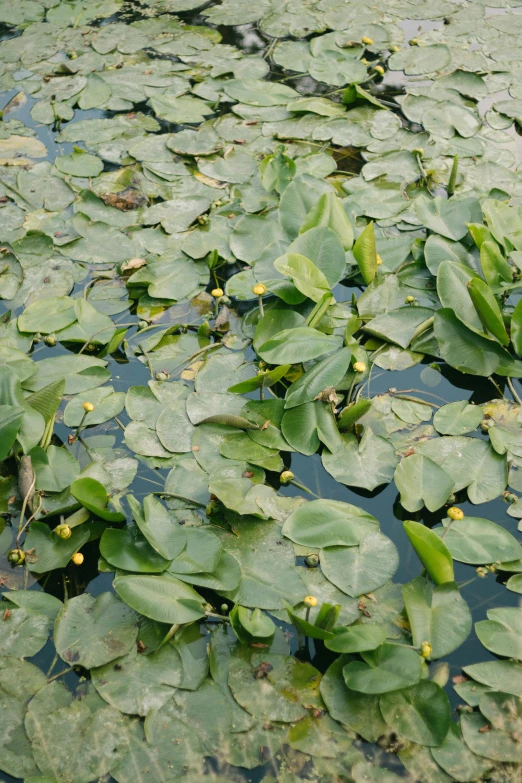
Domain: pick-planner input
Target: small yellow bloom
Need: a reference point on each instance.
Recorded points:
(310, 601)
(286, 476)
(259, 289)
(366, 40)
(359, 367)
(379, 259)
(217, 292)
(88, 407)
(455, 513)
(77, 559)
(409, 299)
(379, 69)
(63, 531)
(426, 649)
(394, 48)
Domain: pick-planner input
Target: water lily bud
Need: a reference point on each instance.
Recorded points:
(77, 559)
(394, 48)
(481, 572)
(63, 531)
(286, 476)
(217, 292)
(455, 513)
(379, 259)
(491, 568)
(418, 151)
(16, 556)
(310, 601)
(509, 497)
(50, 339)
(88, 407)
(162, 376)
(359, 367)
(312, 561)
(379, 69)
(259, 289)
(142, 324)
(366, 40)
(414, 42)
(224, 608)
(426, 649)
(211, 508)
(409, 299)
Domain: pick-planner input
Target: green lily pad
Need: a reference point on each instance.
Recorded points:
(91, 632)
(136, 684)
(420, 713)
(92, 495)
(275, 687)
(389, 668)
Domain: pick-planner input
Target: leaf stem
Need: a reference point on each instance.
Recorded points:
(218, 616)
(319, 310)
(513, 391)
(453, 176)
(147, 359)
(60, 674)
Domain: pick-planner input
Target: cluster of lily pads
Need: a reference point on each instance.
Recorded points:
(254, 252)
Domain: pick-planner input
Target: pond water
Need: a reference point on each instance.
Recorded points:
(425, 292)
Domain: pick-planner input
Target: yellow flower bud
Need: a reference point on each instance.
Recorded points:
(217, 292)
(77, 559)
(88, 407)
(16, 556)
(455, 513)
(426, 649)
(286, 476)
(409, 299)
(310, 601)
(366, 40)
(63, 531)
(418, 151)
(359, 367)
(394, 48)
(259, 289)
(379, 69)
(379, 259)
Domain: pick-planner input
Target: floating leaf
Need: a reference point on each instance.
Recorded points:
(420, 713)
(386, 669)
(439, 615)
(422, 482)
(91, 632)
